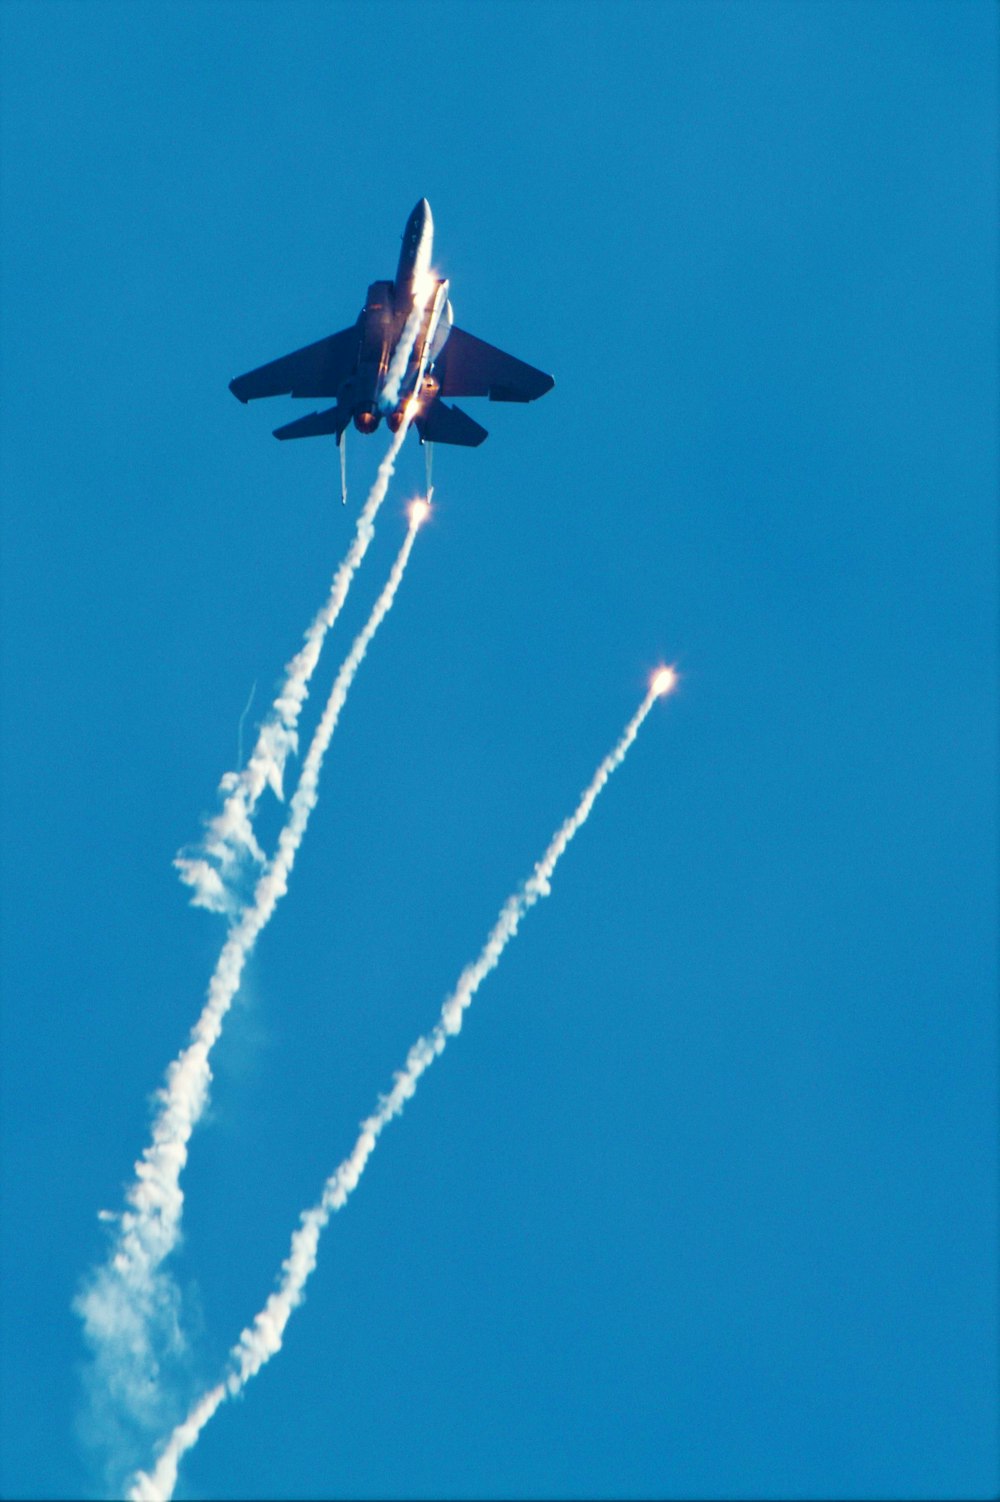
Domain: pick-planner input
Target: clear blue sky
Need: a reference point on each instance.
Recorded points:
(704, 1200)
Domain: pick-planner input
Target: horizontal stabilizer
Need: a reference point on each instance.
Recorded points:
(319, 369)
(316, 424)
(444, 424)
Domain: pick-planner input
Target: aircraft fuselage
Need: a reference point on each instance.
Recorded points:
(385, 324)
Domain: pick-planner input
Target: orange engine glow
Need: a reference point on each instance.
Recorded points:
(420, 510)
(367, 420)
(664, 681)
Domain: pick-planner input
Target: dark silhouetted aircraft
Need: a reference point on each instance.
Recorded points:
(371, 373)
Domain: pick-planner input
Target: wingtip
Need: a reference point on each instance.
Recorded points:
(232, 386)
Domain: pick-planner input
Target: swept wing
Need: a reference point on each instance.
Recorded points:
(319, 369)
(468, 366)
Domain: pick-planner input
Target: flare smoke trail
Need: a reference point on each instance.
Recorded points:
(230, 833)
(423, 289)
(263, 1339)
(129, 1294)
(401, 357)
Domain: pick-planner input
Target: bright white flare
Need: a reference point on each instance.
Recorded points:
(229, 835)
(124, 1298)
(263, 1339)
(664, 681)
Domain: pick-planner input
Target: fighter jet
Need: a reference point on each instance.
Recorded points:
(362, 366)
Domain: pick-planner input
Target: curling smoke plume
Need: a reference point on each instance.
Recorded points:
(239, 728)
(129, 1305)
(264, 1338)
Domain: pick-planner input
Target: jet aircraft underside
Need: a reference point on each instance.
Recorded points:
(359, 367)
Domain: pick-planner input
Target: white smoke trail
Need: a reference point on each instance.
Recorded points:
(401, 356)
(229, 834)
(263, 1339)
(128, 1304)
(423, 291)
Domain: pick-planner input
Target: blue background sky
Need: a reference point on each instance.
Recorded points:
(704, 1199)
